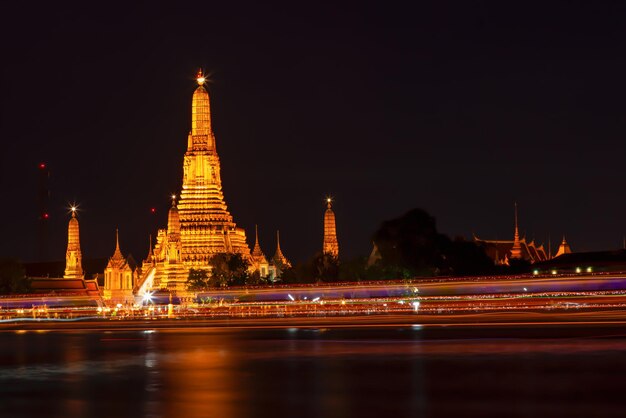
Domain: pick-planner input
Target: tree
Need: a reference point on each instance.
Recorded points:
(411, 246)
(411, 242)
(465, 258)
(326, 267)
(198, 279)
(13, 277)
(353, 270)
(228, 270)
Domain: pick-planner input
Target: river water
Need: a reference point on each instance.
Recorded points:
(300, 372)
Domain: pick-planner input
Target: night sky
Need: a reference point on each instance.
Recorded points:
(459, 108)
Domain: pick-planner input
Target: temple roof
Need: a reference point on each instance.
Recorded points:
(117, 260)
(500, 250)
(279, 259)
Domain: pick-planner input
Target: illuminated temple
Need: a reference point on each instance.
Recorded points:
(199, 224)
(330, 245)
(503, 251)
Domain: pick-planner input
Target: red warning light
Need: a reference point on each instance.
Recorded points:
(46, 216)
(42, 165)
(153, 210)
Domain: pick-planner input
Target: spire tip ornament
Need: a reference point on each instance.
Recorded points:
(200, 78)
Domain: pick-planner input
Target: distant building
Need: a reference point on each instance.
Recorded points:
(503, 251)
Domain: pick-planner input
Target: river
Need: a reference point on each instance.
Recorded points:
(312, 372)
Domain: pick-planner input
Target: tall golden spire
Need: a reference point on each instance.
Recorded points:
(201, 134)
(117, 254)
(257, 253)
(73, 255)
(279, 259)
(173, 219)
(331, 245)
(150, 257)
(516, 250)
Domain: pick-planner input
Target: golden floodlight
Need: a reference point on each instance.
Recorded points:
(73, 208)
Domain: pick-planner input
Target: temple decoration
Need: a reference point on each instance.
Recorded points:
(330, 246)
(73, 255)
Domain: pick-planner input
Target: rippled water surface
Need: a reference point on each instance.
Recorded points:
(295, 372)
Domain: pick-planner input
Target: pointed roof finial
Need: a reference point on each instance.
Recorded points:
(256, 234)
(329, 200)
(279, 257)
(173, 200)
(516, 250)
(200, 78)
(117, 239)
(150, 246)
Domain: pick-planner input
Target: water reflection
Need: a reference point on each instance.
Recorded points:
(307, 372)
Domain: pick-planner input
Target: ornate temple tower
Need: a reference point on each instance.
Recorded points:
(118, 277)
(73, 256)
(206, 226)
(516, 251)
(331, 246)
(200, 225)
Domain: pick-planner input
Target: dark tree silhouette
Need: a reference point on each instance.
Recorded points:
(411, 246)
(13, 277)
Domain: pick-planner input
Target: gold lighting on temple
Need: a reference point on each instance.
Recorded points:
(330, 246)
(200, 225)
(564, 248)
(73, 255)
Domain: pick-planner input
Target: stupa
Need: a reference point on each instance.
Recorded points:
(199, 224)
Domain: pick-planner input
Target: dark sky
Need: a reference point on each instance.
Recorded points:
(460, 108)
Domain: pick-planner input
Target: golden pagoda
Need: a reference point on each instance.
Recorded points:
(73, 255)
(199, 226)
(331, 246)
